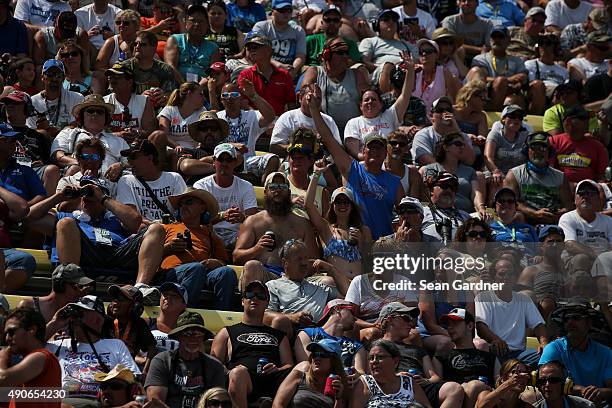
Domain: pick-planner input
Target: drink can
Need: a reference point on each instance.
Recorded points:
(413, 371)
(329, 390)
(352, 241)
(272, 235)
(141, 399)
(261, 363)
(483, 379)
(349, 370)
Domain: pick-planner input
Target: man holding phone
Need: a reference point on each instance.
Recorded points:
(417, 23)
(97, 19)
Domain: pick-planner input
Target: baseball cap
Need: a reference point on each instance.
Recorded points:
(535, 138)
(577, 112)
(256, 38)
(140, 146)
(127, 291)
(189, 320)
(94, 181)
(225, 148)
(336, 304)
(411, 202)
(90, 302)
(510, 109)
(279, 4)
(397, 308)
(504, 190)
(119, 372)
(375, 137)
(458, 314)
(596, 37)
(196, 8)
(71, 273)
(53, 63)
(257, 284)
(429, 42)
(392, 13)
(599, 18)
(534, 11)
(7, 130)
(436, 105)
(175, 287)
(344, 191)
(16, 96)
(578, 306)
(587, 184)
(120, 69)
(499, 29)
(328, 345)
(219, 67)
(550, 229)
(271, 177)
(569, 85)
(332, 9)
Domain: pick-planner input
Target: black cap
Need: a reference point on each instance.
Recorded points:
(143, 146)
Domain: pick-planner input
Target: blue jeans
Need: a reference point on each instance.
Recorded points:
(528, 357)
(194, 277)
(19, 260)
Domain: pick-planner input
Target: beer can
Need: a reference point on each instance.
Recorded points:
(261, 363)
(329, 390)
(483, 379)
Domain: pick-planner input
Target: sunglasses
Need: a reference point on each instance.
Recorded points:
(321, 354)
(407, 211)
(115, 386)
(255, 295)
(552, 380)
(92, 111)
(228, 95)
(404, 317)
(278, 186)
(89, 156)
(187, 201)
(340, 201)
(51, 75)
(69, 54)
(396, 143)
(457, 143)
(474, 234)
(332, 20)
(442, 110)
(285, 10)
(426, 51)
(253, 47)
(123, 22)
(445, 42)
(219, 403)
(506, 201)
(224, 159)
(208, 128)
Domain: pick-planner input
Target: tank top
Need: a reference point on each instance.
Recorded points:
(117, 55)
(405, 180)
(51, 41)
(547, 284)
(339, 100)
(126, 118)
(227, 40)
(378, 399)
(194, 60)
(539, 190)
(301, 210)
(250, 343)
(307, 397)
(50, 377)
(432, 91)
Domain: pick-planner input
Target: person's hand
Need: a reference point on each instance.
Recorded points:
(321, 166)
(154, 403)
(58, 318)
(484, 214)
(498, 176)
(298, 200)
(69, 192)
(241, 147)
(113, 172)
(449, 118)
(499, 346)
(265, 243)
(355, 233)
(591, 393)
(352, 379)
(320, 266)
(477, 139)
(407, 61)
(409, 130)
(338, 388)
(301, 318)
(515, 383)
(97, 192)
(210, 264)
(176, 245)
(233, 215)
(5, 357)
(546, 215)
(211, 84)
(42, 122)
(247, 88)
(131, 404)
(167, 23)
(269, 368)
(93, 31)
(313, 101)
(107, 33)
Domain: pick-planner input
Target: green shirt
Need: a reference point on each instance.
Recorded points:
(553, 119)
(314, 47)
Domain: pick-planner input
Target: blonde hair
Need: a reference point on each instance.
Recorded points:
(467, 91)
(213, 392)
(130, 15)
(177, 97)
(69, 44)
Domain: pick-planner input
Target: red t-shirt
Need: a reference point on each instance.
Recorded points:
(579, 160)
(278, 90)
(50, 377)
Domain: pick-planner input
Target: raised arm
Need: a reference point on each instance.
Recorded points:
(320, 223)
(401, 104)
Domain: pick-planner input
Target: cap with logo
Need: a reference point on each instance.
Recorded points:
(537, 138)
(326, 345)
(510, 109)
(127, 291)
(374, 137)
(225, 148)
(458, 315)
(256, 38)
(397, 308)
(272, 176)
(343, 191)
(587, 184)
(218, 67)
(175, 287)
(436, 106)
(90, 302)
(120, 69)
(7, 130)
(53, 63)
(332, 9)
(257, 284)
(94, 181)
(16, 96)
(281, 4)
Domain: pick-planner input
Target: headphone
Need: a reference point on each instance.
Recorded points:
(376, 25)
(58, 283)
(525, 148)
(205, 217)
(568, 383)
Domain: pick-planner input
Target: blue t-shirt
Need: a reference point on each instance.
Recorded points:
(590, 367)
(515, 232)
(106, 231)
(502, 12)
(245, 18)
(21, 180)
(375, 196)
(13, 37)
(194, 60)
(350, 347)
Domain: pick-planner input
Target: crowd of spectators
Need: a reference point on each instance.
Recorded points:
(264, 158)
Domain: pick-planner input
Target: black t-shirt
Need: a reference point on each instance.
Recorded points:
(411, 357)
(597, 87)
(250, 343)
(186, 380)
(138, 338)
(464, 365)
(32, 147)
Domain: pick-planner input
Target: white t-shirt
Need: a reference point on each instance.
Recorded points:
(508, 320)
(67, 139)
(87, 19)
(136, 107)
(596, 235)
(179, 126)
(560, 15)
(293, 119)
(589, 68)
(76, 178)
(425, 142)
(39, 12)
(78, 368)
(56, 119)
(240, 194)
(131, 191)
(426, 20)
(244, 129)
(552, 75)
(359, 127)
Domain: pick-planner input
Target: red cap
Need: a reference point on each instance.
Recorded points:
(16, 96)
(337, 304)
(220, 67)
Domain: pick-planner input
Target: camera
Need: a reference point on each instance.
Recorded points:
(71, 312)
(86, 191)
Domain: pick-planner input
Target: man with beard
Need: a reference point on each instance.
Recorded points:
(544, 281)
(338, 319)
(118, 388)
(589, 362)
(551, 380)
(543, 192)
(262, 235)
(240, 347)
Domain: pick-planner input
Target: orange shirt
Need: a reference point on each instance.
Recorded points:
(50, 377)
(203, 239)
(148, 22)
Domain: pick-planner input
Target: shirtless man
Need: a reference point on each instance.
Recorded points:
(258, 251)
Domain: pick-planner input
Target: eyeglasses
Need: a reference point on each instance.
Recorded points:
(224, 159)
(332, 20)
(255, 295)
(407, 211)
(378, 357)
(404, 317)
(321, 354)
(457, 143)
(123, 22)
(278, 186)
(228, 95)
(340, 201)
(474, 234)
(56, 74)
(89, 156)
(219, 403)
(506, 201)
(115, 386)
(426, 51)
(94, 111)
(552, 380)
(69, 54)
(445, 42)
(395, 143)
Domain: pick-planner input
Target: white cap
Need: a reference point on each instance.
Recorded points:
(343, 190)
(411, 201)
(225, 148)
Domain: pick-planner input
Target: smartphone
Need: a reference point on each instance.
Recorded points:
(411, 20)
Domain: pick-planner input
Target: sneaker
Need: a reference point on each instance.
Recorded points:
(150, 296)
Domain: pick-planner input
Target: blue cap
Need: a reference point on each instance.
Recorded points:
(550, 229)
(175, 287)
(6, 130)
(499, 29)
(329, 345)
(279, 4)
(53, 63)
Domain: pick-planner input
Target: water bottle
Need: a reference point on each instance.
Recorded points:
(261, 363)
(329, 390)
(483, 379)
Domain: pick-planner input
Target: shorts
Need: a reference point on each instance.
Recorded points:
(267, 385)
(19, 260)
(265, 274)
(257, 164)
(40, 170)
(432, 391)
(124, 257)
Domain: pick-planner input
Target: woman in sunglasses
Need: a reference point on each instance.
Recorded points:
(216, 397)
(398, 148)
(118, 47)
(474, 240)
(305, 386)
(470, 111)
(448, 57)
(78, 78)
(514, 377)
(471, 190)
